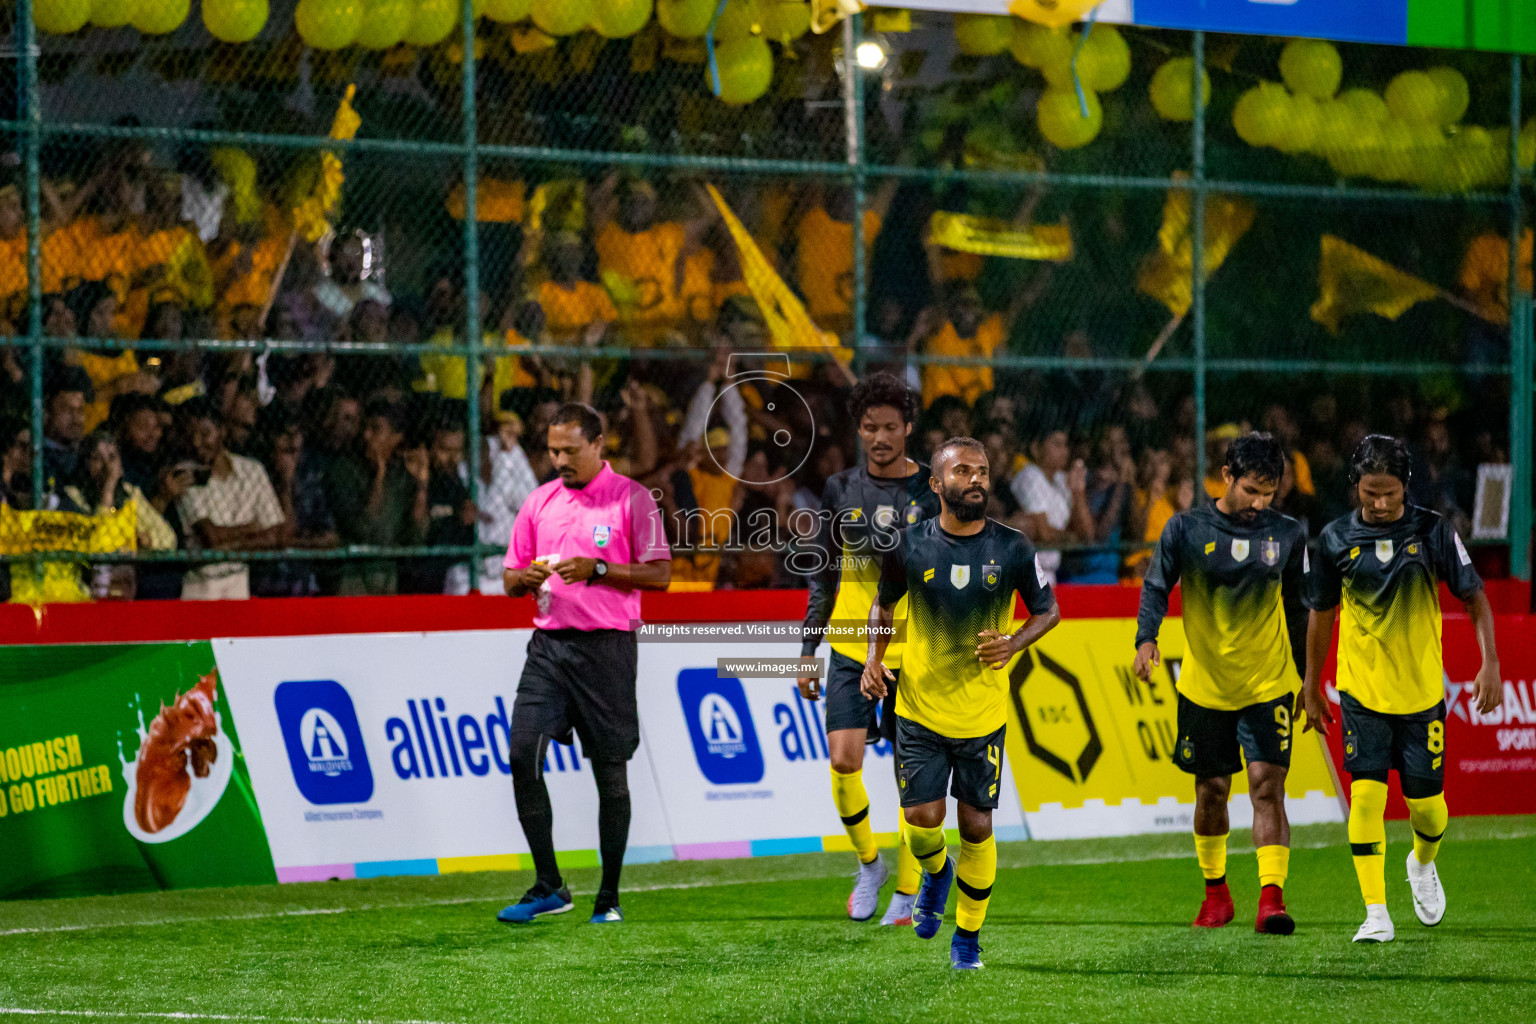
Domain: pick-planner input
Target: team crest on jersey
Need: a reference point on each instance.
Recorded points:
(1413, 549)
(912, 513)
(1269, 552)
(959, 575)
(1239, 550)
(991, 575)
(885, 516)
(601, 535)
(1383, 551)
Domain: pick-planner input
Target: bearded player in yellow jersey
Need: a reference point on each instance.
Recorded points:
(863, 510)
(1242, 569)
(1384, 563)
(959, 573)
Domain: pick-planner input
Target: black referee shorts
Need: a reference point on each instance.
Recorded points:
(581, 679)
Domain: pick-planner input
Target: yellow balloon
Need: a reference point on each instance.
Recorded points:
(746, 69)
(1337, 125)
(1311, 67)
(233, 21)
(1367, 105)
(1172, 89)
(1061, 120)
(112, 13)
(157, 17)
(1036, 46)
(1300, 131)
(507, 11)
(328, 24)
(1357, 155)
(1104, 62)
(61, 17)
(619, 19)
(739, 19)
(784, 21)
(385, 23)
(1454, 94)
(1261, 113)
(1054, 13)
(983, 35)
(1414, 98)
(432, 21)
(685, 19)
(561, 17)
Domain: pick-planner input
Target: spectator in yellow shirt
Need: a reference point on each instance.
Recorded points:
(648, 254)
(963, 328)
(1485, 272)
(113, 371)
(824, 252)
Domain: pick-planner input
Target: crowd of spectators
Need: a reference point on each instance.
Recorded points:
(294, 458)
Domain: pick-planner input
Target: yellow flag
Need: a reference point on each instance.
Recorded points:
(988, 237)
(1351, 281)
(1167, 272)
(789, 324)
(826, 13)
(311, 218)
(28, 532)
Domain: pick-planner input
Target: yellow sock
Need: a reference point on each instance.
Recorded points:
(909, 873)
(852, 804)
(928, 847)
(1274, 865)
(1428, 816)
(1368, 837)
(1211, 852)
(975, 874)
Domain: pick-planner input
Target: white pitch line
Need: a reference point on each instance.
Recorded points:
(241, 1018)
(1515, 833)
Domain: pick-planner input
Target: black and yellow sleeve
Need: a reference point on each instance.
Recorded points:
(1452, 563)
(1162, 576)
(1325, 582)
(1027, 579)
(893, 572)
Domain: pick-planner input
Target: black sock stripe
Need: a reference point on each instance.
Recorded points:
(856, 817)
(925, 854)
(1212, 883)
(972, 891)
(1368, 849)
(1429, 839)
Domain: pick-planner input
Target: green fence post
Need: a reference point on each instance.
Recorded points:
(1522, 337)
(1197, 254)
(33, 117)
(471, 285)
(853, 90)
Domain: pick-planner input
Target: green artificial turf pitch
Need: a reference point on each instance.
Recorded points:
(1078, 931)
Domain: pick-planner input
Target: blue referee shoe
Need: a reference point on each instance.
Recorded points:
(537, 902)
(965, 951)
(928, 912)
(606, 909)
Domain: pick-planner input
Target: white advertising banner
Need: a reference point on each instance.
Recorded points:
(382, 754)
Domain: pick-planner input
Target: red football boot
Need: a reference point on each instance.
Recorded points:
(1273, 919)
(1217, 909)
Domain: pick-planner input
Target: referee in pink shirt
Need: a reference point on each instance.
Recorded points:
(585, 545)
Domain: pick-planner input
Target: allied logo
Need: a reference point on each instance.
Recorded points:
(959, 575)
(885, 516)
(1239, 550)
(1040, 576)
(720, 725)
(324, 741)
(1269, 552)
(991, 575)
(601, 535)
(1383, 551)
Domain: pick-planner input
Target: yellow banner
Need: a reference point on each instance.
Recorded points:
(1167, 272)
(1087, 738)
(988, 237)
(1351, 281)
(25, 533)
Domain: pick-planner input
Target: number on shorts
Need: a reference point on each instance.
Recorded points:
(1283, 719)
(1436, 737)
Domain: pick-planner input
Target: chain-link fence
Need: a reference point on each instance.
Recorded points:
(291, 292)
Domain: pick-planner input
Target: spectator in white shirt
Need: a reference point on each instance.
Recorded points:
(728, 403)
(236, 509)
(350, 279)
(1054, 499)
(506, 480)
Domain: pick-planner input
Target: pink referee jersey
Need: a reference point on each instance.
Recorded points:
(612, 518)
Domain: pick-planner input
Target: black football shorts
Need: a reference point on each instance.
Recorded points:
(1214, 744)
(927, 764)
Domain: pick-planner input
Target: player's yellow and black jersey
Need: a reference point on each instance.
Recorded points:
(860, 519)
(956, 587)
(1387, 579)
(1245, 625)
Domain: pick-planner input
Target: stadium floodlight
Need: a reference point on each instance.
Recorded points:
(871, 55)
